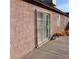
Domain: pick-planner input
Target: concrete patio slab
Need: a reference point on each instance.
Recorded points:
(54, 49)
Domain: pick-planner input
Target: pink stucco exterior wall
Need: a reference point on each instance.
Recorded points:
(23, 27)
(54, 28)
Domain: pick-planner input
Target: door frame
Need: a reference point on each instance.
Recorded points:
(35, 23)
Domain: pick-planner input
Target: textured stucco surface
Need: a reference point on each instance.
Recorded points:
(23, 28)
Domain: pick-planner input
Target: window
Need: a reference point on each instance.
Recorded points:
(58, 21)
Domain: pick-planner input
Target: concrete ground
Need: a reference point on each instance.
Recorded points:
(54, 49)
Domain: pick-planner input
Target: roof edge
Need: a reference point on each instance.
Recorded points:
(38, 3)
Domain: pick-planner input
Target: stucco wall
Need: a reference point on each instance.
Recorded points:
(23, 28)
(54, 28)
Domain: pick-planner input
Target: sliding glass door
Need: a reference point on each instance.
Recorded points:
(43, 27)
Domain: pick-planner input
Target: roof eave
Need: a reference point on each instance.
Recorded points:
(38, 3)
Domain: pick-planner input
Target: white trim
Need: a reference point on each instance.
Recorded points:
(58, 21)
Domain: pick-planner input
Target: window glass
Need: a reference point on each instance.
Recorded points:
(43, 24)
(58, 21)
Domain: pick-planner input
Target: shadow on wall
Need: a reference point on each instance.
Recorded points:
(67, 27)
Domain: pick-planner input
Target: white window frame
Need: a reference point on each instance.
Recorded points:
(58, 21)
(45, 21)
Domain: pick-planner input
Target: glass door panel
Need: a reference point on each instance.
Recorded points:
(42, 27)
